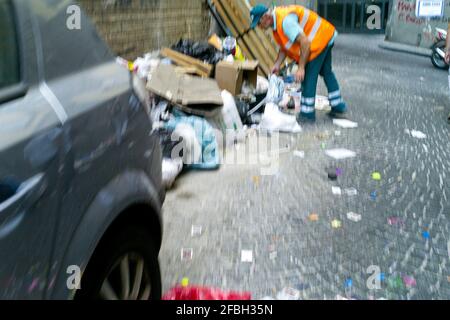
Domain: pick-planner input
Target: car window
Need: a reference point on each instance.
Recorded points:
(9, 52)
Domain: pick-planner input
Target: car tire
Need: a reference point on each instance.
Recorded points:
(130, 251)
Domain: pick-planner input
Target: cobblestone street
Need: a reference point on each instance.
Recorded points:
(286, 219)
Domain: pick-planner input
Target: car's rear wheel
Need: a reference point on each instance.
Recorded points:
(125, 267)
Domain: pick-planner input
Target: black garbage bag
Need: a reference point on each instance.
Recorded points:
(199, 50)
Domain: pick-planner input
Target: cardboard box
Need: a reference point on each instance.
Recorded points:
(231, 75)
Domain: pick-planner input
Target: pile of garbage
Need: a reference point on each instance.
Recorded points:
(197, 93)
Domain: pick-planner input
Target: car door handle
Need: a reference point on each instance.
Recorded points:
(28, 192)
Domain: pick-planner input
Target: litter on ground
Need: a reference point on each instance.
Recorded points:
(340, 154)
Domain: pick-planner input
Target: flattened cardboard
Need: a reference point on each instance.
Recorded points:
(184, 89)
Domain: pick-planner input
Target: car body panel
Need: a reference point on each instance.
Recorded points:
(82, 141)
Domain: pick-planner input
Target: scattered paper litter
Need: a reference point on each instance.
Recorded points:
(418, 134)
(322, 103)
(340, 154)
(300, 154)
(354, 216)
(247, 256)
(288, 294)
(336, 191)
(351, 192)
(344, 123)
(187, 254)
(196, 231)
(336, 224)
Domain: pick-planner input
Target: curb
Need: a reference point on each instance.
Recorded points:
(400, 47)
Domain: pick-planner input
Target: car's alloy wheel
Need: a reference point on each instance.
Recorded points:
(124, 267)
(127, 280)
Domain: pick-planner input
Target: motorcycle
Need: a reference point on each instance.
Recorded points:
(438, 49)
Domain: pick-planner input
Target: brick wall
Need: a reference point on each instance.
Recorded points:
(133, 27)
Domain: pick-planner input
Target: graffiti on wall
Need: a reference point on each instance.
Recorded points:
(412, 29)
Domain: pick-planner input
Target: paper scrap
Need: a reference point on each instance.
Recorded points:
(351, 192)
(187, 254)
(336, 191)
(247, 256)
(418, 134)
(340, 154)
(196, 231)
(344, 123)
(354, 216)
(322, 103)
(300, 154)
(289, 294)
(336, 224)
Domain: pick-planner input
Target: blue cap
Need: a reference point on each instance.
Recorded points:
(257, 13)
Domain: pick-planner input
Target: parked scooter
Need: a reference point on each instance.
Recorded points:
(438, 49)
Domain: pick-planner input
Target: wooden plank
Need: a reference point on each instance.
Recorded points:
(266, 40)
(258, 52)
(249, 5)
(248, 40)
(187, 61)
(184, 63)
(256, 42)
(230, 25)
(225, 18)
(233, 30)
(200, 64)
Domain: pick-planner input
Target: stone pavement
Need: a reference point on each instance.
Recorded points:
(404, 226)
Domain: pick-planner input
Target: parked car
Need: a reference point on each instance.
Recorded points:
(80, 170)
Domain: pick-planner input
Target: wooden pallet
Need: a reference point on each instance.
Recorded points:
(255, 44)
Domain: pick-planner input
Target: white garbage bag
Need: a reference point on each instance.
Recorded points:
(275, 120)
(262, 85)
(228, 121)
(145, 65)
(276, 89)
(171, 168)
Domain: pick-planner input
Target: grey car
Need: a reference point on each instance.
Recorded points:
(80, 170)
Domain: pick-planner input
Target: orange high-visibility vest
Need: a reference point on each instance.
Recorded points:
(318, 30)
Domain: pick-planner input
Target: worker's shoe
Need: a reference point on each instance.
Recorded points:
(338, 111)
(306, 118)
(340, 108)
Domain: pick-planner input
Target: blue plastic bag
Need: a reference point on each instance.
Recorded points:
(205, 134)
